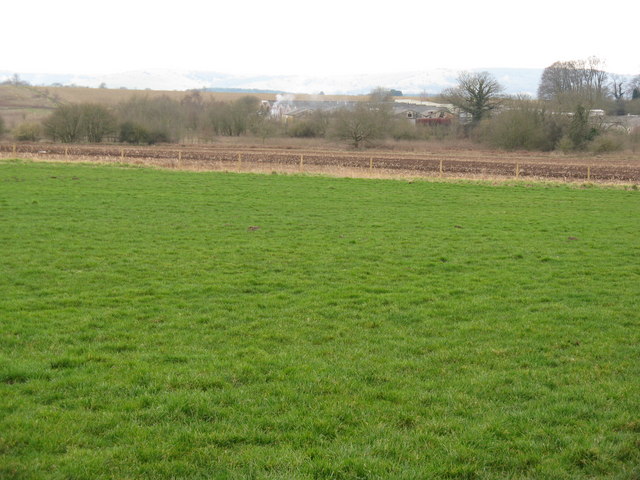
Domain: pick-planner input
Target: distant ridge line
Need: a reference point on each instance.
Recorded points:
(240, 90)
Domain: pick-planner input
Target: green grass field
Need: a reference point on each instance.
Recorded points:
(164, 324)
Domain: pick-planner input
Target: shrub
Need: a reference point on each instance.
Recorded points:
(312, 126)
(305, 129)
(157, 136)
(166, 117)
(634, 139)
(265, 127)
(610, 142)
(27, 132)
(580, 131)
(633, 107)
(97, 122)
(80, 122)
(133, 133)
(442, 131)
(565, 144)
(526, 127)
(65, 124)
(404, 130)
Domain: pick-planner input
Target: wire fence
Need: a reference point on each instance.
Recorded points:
(425, 164)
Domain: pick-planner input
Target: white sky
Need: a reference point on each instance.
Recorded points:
(323, 37)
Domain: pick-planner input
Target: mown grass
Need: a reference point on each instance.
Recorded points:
(159, 324)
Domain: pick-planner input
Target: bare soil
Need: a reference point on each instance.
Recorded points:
(433, 161)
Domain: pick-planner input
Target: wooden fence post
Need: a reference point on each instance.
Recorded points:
(66, 152)
(441, 167)
(588, 173)
(122, 155)
(517, 170)
(301, 161)
(239, 160)
(370, 163)
(14, 149)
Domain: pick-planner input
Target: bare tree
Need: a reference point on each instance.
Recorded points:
(193, 107)
(16, 81)
(163, 116)
(476, 94)
(80, 122)
(617, 87)
(596, 76)
(361, 124)
(634, 87)
(97, 122)
(380, 95)
(64, 124)
(237, 118)
(574, 82)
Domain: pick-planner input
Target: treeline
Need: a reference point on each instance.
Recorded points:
(149, 120)
(529, 125)
(498, 121)
(146, 120)
(579, 107)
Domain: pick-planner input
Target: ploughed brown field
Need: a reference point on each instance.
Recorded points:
(430, 162)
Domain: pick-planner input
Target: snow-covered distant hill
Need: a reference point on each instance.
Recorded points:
(515, 80)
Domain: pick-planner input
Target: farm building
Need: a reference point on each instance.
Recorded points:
(414, 111)
(424, 113)
(290, 109)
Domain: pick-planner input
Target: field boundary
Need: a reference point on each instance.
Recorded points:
(378, 164)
